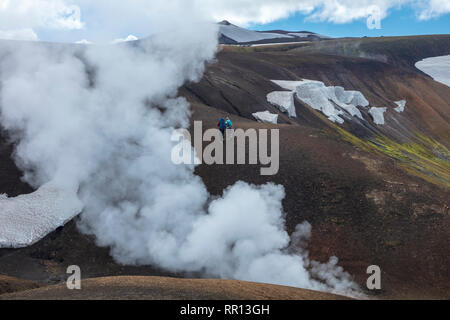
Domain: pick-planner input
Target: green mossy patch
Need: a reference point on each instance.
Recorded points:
(425, 157)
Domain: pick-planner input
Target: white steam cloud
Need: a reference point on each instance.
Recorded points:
(99, 119)
(19, 34)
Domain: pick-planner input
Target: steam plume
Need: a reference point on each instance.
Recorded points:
(99, 119)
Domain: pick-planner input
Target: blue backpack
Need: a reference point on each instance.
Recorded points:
(222, 125)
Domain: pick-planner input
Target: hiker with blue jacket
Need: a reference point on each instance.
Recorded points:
(222, 125)
(228, 123)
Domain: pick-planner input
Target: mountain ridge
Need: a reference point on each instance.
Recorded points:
(232, 34)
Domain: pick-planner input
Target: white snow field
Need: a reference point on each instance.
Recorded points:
(436, 67)
(243, 35)
(320, 97)
(306, 34)
(377, 115)
(283, 100)
(288, 84)
(26, 219)
(278, 43)
(266, 117)
(400, 106)
(299, 34)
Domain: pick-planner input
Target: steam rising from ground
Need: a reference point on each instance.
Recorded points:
(100, 119)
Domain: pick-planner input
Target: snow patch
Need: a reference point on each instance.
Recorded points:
(352, 97)
(377, 115)
(401, 106)
(283, 100)
(331, 101)
(278, 43)
(300, 34)
(436, 67)
(26, 219)
(243, 35)
(84, 41)
(127, 39)
(307, 34)
(266, 117)
(287, 84)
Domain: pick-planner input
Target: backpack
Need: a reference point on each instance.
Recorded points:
(221, 124)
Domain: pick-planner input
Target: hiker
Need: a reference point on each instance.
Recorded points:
(228, 123)
(229, 126)
(221, 124)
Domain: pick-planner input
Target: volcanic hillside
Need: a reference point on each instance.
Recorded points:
(375, 188)
(160, 288)
(375, 194)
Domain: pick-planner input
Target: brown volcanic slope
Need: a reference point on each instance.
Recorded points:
(420, 136)
(239, 82)
(363, 208)
(10, 284)
(366, 206)
(401, 52)
(159, 288)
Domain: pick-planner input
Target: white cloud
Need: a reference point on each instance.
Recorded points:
(127, 39)
(19, 34)
(264, 11)
(433, 8)
(102, 20)
(244, 12)
(53, 14)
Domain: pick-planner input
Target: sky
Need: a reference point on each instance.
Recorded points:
(106, 21)
(399, 22)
